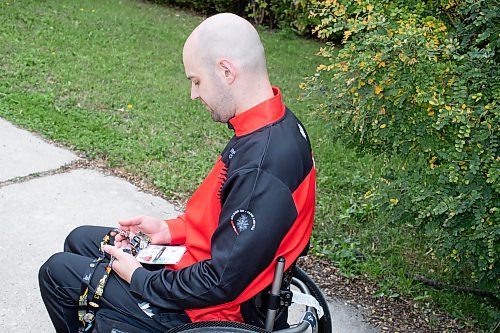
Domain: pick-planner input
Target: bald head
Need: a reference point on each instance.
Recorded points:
(225, 61)
(232, 37)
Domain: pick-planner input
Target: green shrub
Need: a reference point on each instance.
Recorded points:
(425, 87)
(284, 14)
(209, 7)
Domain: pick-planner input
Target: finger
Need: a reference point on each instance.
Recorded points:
(130, 222)
(122, 244)
(119, 238)
(113, 251)
(115, 232)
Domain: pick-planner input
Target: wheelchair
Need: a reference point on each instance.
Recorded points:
(313, 319)
(268, 311)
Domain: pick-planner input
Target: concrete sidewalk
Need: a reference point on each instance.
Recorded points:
(40, 203)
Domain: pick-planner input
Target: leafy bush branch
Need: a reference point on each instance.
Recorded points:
(426, 87)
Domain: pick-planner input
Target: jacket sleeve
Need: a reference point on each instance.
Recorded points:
(177, 229)
(257, 212)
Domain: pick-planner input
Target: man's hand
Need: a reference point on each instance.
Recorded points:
(124, 265)
(151, 226)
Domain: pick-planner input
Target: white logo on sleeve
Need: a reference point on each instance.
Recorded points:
(232, 152)
(301, 129)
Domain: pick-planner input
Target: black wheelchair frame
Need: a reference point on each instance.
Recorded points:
(274, 306)
(310, 322)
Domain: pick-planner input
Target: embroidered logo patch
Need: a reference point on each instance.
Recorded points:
(242, 220)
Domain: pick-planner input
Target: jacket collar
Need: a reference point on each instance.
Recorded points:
(259, 116)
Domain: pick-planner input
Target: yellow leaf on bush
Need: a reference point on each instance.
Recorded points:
(394, 201)
(347, 33)
(432, 162)
(383, 126)
(378, 89)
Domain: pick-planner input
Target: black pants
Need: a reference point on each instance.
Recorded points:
(60, 280)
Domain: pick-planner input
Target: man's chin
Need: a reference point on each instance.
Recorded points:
(215, 117)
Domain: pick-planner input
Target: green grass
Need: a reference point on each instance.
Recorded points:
(106, 79)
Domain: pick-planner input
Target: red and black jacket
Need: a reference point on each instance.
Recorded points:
(256, 204)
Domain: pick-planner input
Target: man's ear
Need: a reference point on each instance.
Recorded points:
(227, 69)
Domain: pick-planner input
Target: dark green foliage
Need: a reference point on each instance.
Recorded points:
(209, 7)
(284, 14)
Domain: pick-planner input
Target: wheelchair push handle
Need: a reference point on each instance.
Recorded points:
(310, 317)
(275, 293)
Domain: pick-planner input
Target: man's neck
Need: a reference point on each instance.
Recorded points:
(252, 97)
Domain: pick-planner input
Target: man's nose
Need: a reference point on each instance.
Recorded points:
(194, 93)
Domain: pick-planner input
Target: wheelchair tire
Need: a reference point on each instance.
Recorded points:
(217, 327)
(325, 323)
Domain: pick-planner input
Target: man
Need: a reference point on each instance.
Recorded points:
(256, 204)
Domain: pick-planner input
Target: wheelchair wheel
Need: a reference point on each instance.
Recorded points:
(217, 327)
(325, 323)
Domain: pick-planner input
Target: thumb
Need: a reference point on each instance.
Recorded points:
(130, 222)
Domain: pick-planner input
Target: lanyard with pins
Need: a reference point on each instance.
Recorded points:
(86, 308)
